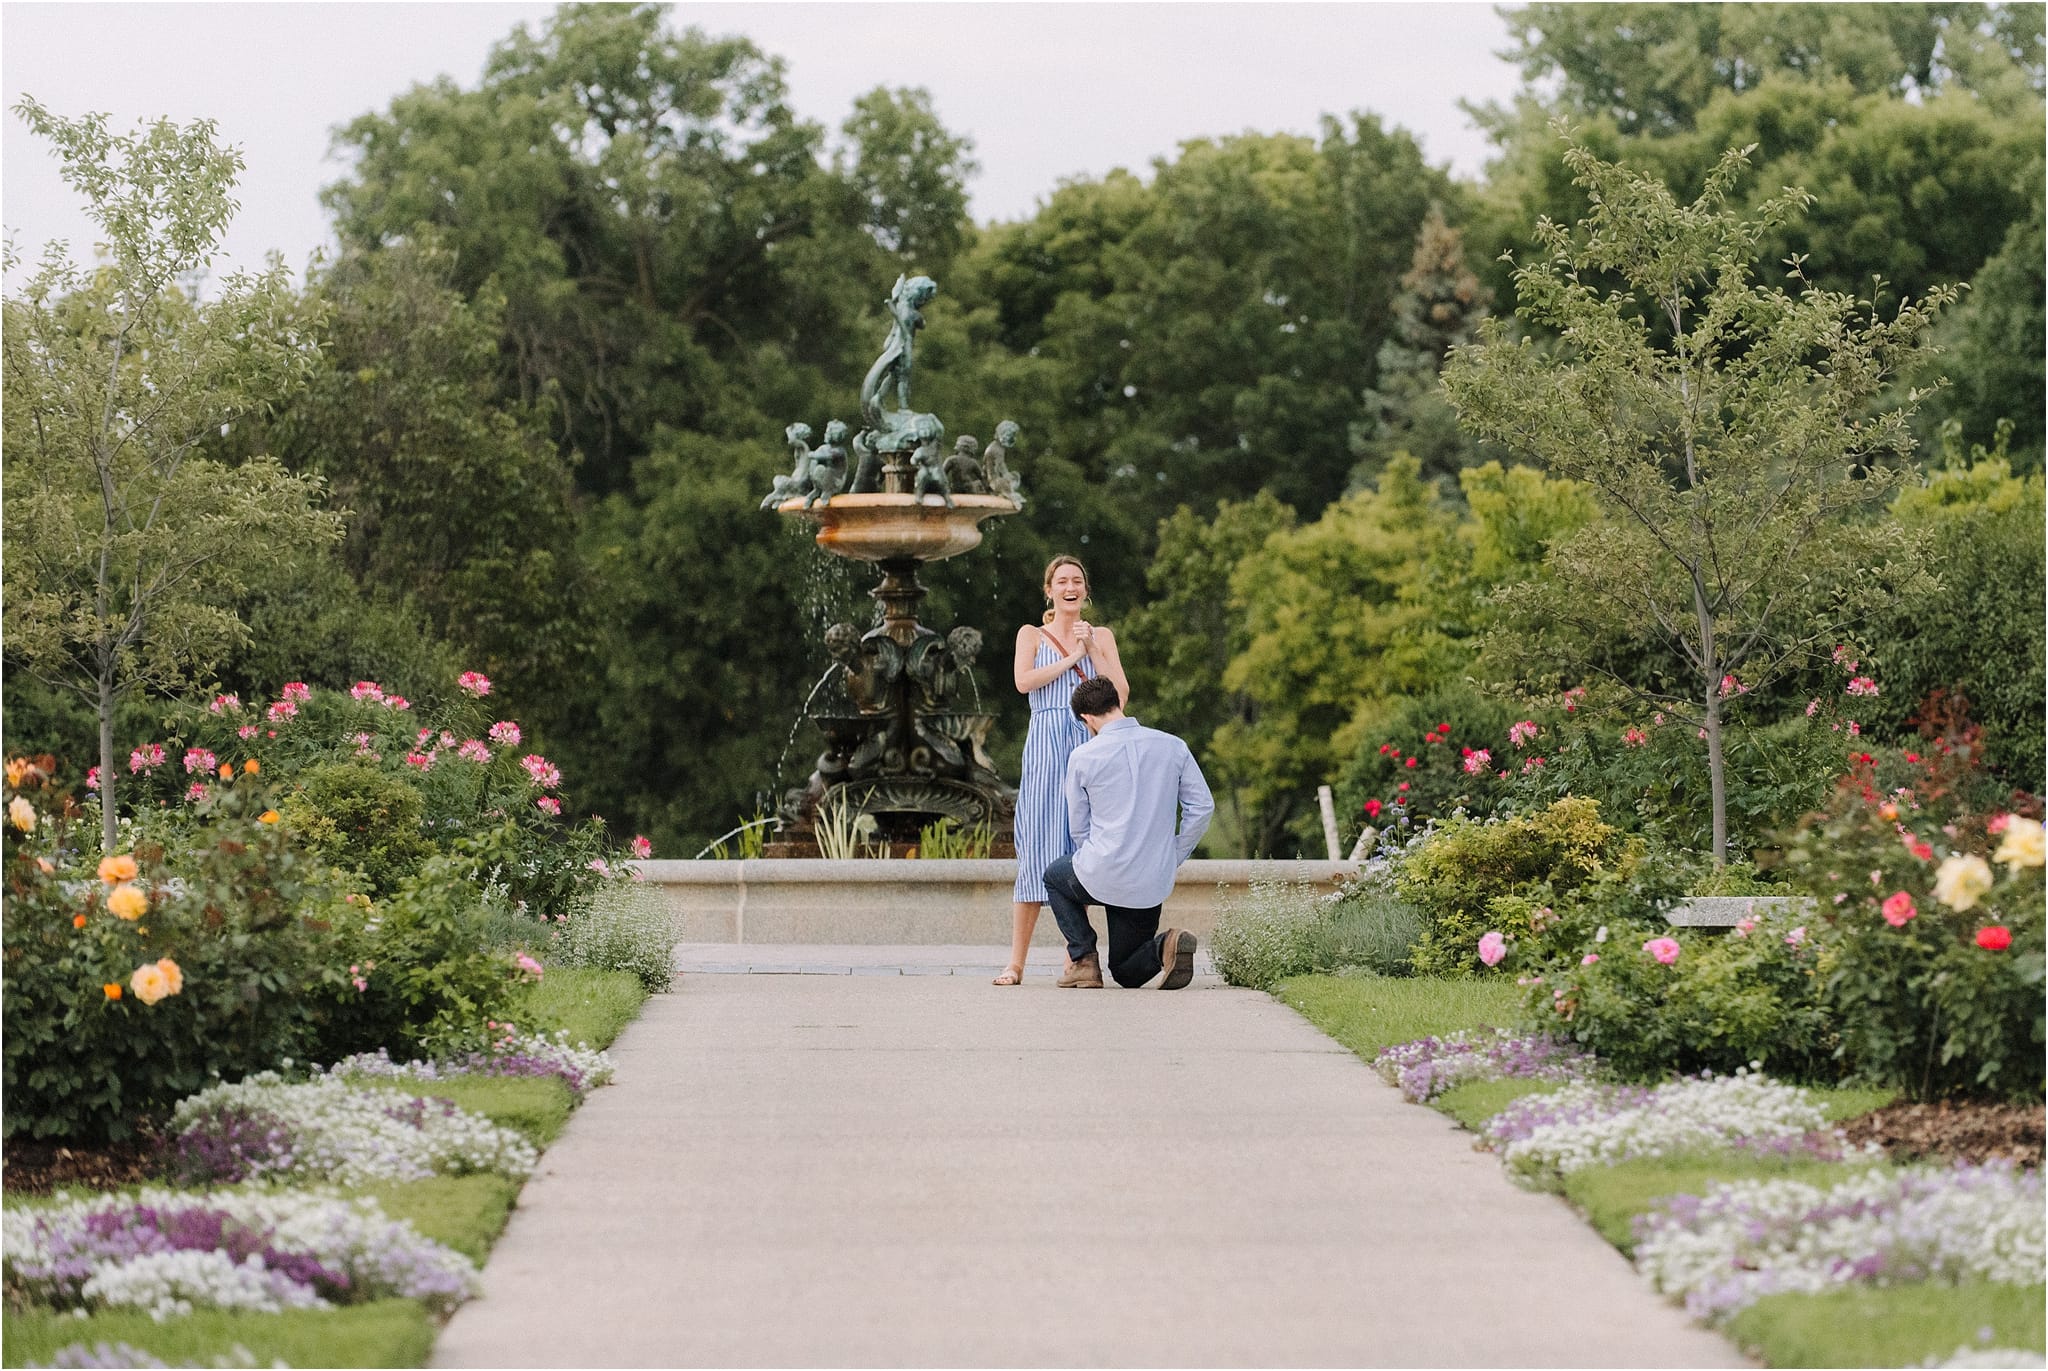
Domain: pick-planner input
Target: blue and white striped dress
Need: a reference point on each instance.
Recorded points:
(1041, 827)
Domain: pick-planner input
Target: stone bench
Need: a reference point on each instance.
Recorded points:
(1719, 913)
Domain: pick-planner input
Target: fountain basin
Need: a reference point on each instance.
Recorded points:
(797, 900)
(882, 527)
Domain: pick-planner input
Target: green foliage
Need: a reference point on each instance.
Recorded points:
(1369, 1014)
(382, 1333)
(1729, 455)
(628, 927)
(1918, 1001)
(1893, 1325)
(256, 931)
(1505, 875)
(1474, 1102)
(1979, 634)
(946, 840)
(536, 1107)
(353, 815)
(592, 1007)
(1275, 931)
(128, 551)
(431, 981)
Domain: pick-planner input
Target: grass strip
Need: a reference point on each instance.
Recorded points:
(1841, 1102)
(381, 1333)
(1370, 1013)
(466, 1213)
(536, 1107)
(594, 1007)
(1611, 1196)
(1474, 1102)
(1894, 1325)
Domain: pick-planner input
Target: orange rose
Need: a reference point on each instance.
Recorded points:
(112, 990)
(268, 816)
(251, 767)
(127, 902)
(227, 771)
(78, 921)
(114, 870)
(173, 974)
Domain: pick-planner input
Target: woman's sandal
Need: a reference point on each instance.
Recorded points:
(1012, 975)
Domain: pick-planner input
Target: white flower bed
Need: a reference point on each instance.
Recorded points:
(1747, 1239)
(255, 1249)
(581, 1068)
(357, 1135)
(1591, 1125)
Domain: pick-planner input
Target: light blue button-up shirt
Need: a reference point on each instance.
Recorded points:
(1122, 786)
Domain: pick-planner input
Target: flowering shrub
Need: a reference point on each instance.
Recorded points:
(1713, 1003)
(1508, 876)
(509, 1053)
(1415, 767)
(1877, 1226)
(1543, 1137)
(1427, 1067)
(259, 1250)
(328, 1129)
(1932, 912)
(628, 927)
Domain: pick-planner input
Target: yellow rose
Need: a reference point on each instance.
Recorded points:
(174, 975)
(1961, 880)
(114, 870)
(127, 902)
(2022, 845)
(21, 814)
(149, 983)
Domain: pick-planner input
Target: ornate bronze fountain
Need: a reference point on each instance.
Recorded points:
(905, 739)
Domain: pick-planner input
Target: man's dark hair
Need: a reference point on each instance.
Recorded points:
(1097, 696)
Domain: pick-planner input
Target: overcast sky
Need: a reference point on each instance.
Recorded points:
(1046, 91)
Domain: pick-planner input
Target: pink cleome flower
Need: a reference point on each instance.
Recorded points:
(505, 733)
(1842, 658)
(92, 779)
(1532, 764)
(1478, 761)
(1797, 937)
(366, 690)
(1633, 737)
(1520, 733)
(1812, 708)
(1861, 685)
(283, 709)
(641, 848)
(475, 682)
(474, 750)
(199, 759)
(296, 691)
(148, 757)
(397, 702)
(1572, 698)
(548, 804)
(224, 703)
(196, 791)
(422, 760)
(544, 773)
(447, 738)
(246, 731)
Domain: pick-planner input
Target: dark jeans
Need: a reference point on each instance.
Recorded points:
(1133, 933)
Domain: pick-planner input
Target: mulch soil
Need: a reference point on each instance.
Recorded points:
(37, 1168)
(1950, 1131)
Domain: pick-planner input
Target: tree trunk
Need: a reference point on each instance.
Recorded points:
(1717, 775)
(107, 813)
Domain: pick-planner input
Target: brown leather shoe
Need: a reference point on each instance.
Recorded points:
(1085, 974)
(1177, 954)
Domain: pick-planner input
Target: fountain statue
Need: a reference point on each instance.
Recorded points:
(905, 737)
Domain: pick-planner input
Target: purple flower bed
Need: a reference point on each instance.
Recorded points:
(1427, 1067)
(1524, 1116)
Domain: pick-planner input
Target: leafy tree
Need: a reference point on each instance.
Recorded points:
(1991, 351)
(911, 176)
(127, 548)
(1730, 459)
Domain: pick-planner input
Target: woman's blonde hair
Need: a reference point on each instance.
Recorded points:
(1064, 559)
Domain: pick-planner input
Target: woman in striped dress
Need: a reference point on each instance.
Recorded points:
(1052, 658)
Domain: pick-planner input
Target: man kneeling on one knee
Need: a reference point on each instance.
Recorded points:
(1122, 786)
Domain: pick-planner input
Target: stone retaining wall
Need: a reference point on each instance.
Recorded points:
(912, 901)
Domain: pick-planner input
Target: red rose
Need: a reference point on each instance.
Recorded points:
(1409, 762)
(1996, 938)
(1372, 809)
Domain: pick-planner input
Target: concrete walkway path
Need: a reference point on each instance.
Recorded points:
(878, 1159)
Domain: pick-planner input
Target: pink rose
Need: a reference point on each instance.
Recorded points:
(1898, 910)
(1664, 950)
(1492, 948)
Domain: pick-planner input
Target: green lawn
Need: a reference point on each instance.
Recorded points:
(536, 1107)
(593, 1006)
(1368, 1013)
(1474, 1102)
(465, 1212)
(1897, 1325)
(1611, 1196)
(383, 1333)
(1841, 1102)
